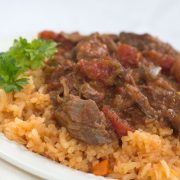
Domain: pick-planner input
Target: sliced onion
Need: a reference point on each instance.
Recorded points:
(154, 71)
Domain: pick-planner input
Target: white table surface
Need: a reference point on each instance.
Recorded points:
(20, 17)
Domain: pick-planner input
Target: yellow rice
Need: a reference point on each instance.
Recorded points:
(151, 152)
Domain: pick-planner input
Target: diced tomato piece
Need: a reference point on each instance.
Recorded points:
(175, 70)
(47, 35)
(128, 55)
(100, 70)
(121, 127)
(164, 61)
(167, 62)
(153, 56)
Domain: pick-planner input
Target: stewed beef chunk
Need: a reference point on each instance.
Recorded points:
(104, 85)
(88, 92)
(146, 42)
(91, 47)
(85, 121)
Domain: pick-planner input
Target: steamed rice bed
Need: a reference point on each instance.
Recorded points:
(25, 117)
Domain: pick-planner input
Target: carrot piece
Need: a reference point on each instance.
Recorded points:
(101, 168)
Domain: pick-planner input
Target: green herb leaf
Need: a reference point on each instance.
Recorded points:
(32, 55)
(23, 56)
(9, 74)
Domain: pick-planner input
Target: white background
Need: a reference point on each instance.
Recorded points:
(159, 17)
(25, 18)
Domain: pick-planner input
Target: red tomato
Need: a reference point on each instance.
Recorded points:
(121, 127)
(128, 55)
(100, 70)
(165, 61)
(47, 35)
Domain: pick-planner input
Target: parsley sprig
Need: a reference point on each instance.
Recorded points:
(23, 56)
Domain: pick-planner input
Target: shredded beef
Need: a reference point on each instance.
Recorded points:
(104, 85)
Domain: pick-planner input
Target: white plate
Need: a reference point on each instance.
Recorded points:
(25, 18)
(38, 165)
(33, 163)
